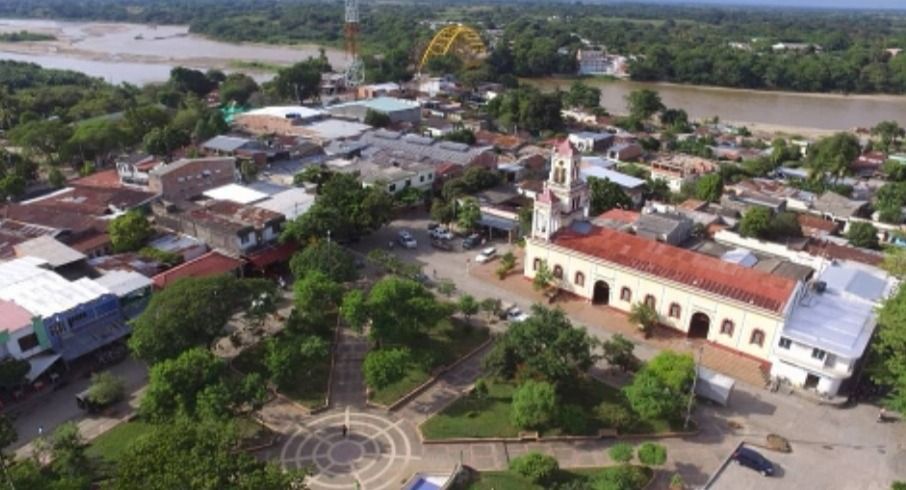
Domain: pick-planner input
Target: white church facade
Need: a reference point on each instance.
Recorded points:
(736, 307)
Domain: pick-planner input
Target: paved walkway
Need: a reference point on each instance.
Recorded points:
(348, 384)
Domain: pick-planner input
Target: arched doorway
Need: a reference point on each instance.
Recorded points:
(601, 295)
(699, 325)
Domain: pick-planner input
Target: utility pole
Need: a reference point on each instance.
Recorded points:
(701, 349)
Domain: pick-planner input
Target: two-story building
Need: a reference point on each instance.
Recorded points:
(678, 169)
(238, 229)
(189, 177)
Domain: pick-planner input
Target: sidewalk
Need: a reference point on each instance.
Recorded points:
(348, 383)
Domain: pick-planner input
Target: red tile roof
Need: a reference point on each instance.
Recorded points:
(760, 289)
(104, 178)
(817, 223)
(621, 215)
(210, 264)
(272, 254)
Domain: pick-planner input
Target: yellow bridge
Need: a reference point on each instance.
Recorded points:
(458, 39)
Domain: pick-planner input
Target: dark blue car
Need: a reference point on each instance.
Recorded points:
(754, 460)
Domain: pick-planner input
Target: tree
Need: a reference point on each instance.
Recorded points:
(354, 309)
(661, 388)
(164, 141)
(491, 306)
(469, 214)
(676, 120)
(544, 277)
(68, 451)
(299, 82)
(618, 351)
(376, 119)
(863, 234)
(833, 155)
(605, 195)
(284, 355)
(652, 454)
(507, 264)
(197, 455)
(644, 103)
(538, 468)
(756, 222)
(443, 212)
(709, 188)
(189, 80)
(142, 119)
(316, 295)
(344, 208)
(895, 262)
(96, 139)
(328, 258)
(174, 384)
(105, 389)
(461, 135)
(384, 367)
(888, 364)
(890, 132)
(238, 88)
(526, 108)
(643, 315)
(129, 232)
(621, 452)
(43, 139)
(402, 309)
(468, 306)
(622, 477)
(12, 372)
(582, 96)
(190, 312)
(545, 345)
(534, 405)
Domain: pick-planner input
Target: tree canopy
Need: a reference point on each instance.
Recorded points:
(661, 388)
(402, 309)
(862, 234)
(330, 259)
(888, 364)
(129, 232)
(605, 195)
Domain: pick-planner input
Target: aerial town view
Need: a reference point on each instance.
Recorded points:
(461, 245)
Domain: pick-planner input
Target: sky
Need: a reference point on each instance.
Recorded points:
(849, 4)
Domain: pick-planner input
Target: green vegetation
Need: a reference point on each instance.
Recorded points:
(255, 66)
(614, 477)
(888, 361)
(129, 232)
(863, 234)
(605, 195)
(110, 445)
(25, 37)
(441, 345)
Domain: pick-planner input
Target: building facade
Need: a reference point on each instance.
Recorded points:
(187, 178)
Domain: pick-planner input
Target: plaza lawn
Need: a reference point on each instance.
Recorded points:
(309, 384)
(490, 416)
(448, 341)
(111, 444)
(510, 480)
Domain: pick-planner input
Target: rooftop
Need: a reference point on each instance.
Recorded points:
(236, 193)
(183, 162)
(838, 206)
(291, 203)
(50, 250)
(381, 104)
(841, 319)
(13, 316)
(286, 112)
(28, 283)
(621, 179)
(226, 143)
(702, 272)
(212, 263)
(421, 147)
(122, 283)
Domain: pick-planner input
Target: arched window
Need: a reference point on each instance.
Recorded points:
(626, 294)
(726, 327)
(536, 264)
(757, 337)
(558, 272)
(674, 310)
(580, 279)
(649, 300)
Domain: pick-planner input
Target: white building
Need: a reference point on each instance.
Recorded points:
(830, 327)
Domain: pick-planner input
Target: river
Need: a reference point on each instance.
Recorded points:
(770, 110)
(140, 54)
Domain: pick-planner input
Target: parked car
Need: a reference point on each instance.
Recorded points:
(442, 244)
(754, 460)
(486, 255)
(441, 233)
(432, 226)
(471, 241)
(515, 314)
(406, 240)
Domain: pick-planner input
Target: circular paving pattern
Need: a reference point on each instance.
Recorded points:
(373, 453)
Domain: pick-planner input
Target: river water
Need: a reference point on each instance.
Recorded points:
(141, 54)
(779, 110)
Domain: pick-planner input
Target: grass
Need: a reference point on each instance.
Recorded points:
(259, 66)
(309, 383)
(509, 480)
(491, 416)
(448, 341)
(110, 445)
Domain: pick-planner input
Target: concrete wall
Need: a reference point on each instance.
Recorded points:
(745, 318)
(733, 239)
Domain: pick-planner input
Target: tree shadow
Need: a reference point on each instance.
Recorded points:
(744, 403)
(692, 474)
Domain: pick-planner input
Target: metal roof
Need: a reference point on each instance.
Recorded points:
(44, 293)
(421, 147)
(49, 249)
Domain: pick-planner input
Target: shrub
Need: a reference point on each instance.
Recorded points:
(615, 415)
(677, 483)
(573, 419)
(652, 454)
(385, 367)
(623, 477)
(480, 390)
(538, 468)
(621, 452)
(105, 389)
(533, 405)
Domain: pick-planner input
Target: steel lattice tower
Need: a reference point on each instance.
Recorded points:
(355, 73)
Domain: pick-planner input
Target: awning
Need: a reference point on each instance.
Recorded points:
(92, 338)
(271, 255)
(39, 364)
(498, 223)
